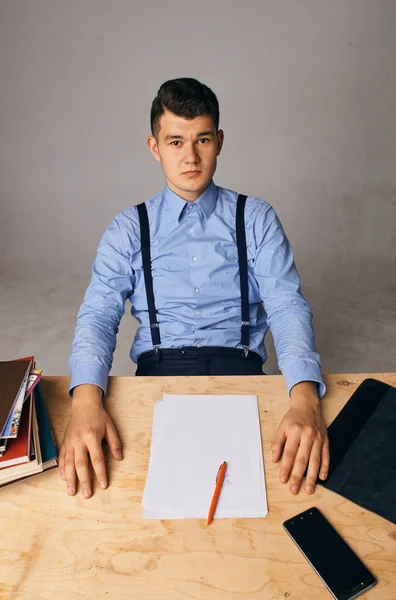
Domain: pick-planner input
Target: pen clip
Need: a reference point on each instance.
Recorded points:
(217, 476)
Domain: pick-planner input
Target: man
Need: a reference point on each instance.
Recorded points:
(197, 263)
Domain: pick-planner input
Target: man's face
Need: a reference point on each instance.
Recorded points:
(187, 150)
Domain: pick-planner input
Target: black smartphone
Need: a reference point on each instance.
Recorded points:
(343, 573)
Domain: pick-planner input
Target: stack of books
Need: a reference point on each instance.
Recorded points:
(27, 446)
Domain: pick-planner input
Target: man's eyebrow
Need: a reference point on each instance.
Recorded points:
(180, 137)
(209, 132)
(173, 137)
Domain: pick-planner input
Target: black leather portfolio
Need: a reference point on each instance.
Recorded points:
(363, 449)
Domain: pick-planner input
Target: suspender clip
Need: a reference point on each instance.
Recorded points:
(245, 348)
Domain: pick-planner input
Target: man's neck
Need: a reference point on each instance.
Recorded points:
(187, 196)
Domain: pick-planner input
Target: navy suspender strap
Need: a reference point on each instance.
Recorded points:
(243, 272)
(148, 278)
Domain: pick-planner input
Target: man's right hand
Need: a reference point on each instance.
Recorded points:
(89, 424)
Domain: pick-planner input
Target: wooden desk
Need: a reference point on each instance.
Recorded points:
(54, 546)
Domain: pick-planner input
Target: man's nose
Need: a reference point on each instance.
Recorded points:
(191, 155)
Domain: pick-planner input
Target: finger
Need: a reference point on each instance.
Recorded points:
(61, 460)
(313, 466)
(300, 464)
(98, 464)
(289, 455)
(113, 441)
(277, 444)
(82, 468)
(324, 469)
(70, 471)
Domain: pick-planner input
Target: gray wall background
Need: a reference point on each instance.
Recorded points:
(307, 91)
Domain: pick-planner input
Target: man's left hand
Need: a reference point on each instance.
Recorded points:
(301, 440)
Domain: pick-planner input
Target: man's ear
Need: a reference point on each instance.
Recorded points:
(153, 145)
(220, 140)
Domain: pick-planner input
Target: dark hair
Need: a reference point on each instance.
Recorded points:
(185, 97)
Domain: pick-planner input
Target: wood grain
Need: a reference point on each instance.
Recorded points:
(54, 546)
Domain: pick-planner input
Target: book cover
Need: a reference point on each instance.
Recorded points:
(18, 449)
(33, 379)
(10, 429)
(12, 375)
(47, 444)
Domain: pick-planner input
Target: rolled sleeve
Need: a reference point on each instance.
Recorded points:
(295, 373)
(89, 373)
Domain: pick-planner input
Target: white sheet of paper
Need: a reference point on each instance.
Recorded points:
(191, 436)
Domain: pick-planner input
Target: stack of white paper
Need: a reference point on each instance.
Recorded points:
(192, 435)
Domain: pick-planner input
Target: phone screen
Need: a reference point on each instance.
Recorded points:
(336, 564)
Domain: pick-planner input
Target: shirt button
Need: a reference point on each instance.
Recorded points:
(197, 313)
(191, 229)
(198, 345)
(196, 290)
(194, 258)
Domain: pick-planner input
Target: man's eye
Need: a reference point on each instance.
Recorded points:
(204, 140)
(175, 143)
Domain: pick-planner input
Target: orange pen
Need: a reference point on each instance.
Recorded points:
(219, 482)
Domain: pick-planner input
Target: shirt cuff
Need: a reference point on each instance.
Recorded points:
(303, 371)
(94, 374)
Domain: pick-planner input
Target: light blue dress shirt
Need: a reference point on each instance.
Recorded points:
(196, 286)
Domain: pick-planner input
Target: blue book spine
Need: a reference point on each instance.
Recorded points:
(47, 444)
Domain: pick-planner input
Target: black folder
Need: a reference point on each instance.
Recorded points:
(363, 449)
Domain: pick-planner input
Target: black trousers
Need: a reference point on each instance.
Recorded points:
(191, 360)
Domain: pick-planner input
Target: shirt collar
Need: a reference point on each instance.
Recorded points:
(175, 204)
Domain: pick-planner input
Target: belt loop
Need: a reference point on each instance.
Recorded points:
(157, 353)
(246, 351)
